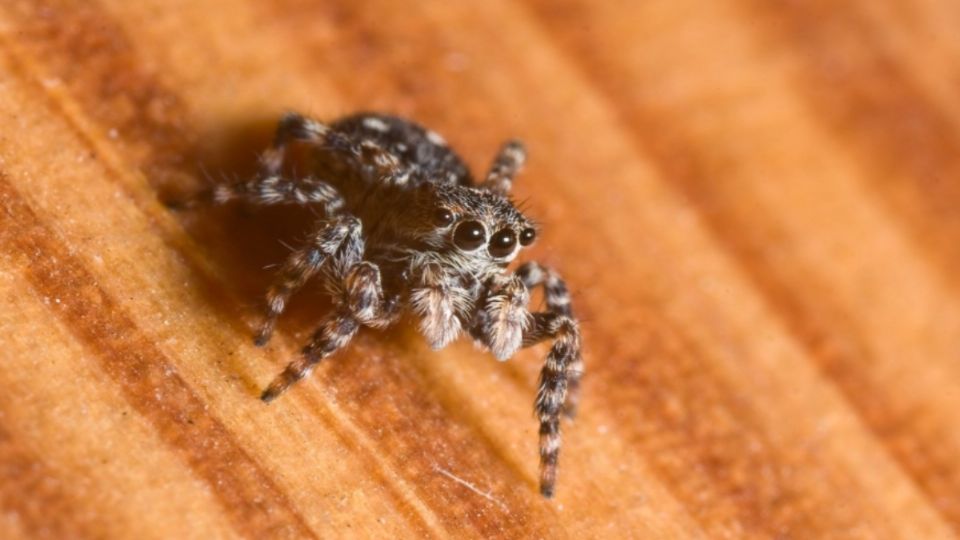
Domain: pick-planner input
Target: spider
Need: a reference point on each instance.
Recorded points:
(406, 230)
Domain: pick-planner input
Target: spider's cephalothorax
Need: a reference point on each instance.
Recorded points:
(405, 229)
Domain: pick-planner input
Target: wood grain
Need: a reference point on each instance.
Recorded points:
(754, 203)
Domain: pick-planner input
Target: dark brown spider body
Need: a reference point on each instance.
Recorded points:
(410, 143)
(406, 230)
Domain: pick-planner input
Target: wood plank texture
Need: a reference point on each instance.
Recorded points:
(755, 205)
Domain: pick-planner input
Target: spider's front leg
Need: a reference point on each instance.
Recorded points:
(362, 292)
(557, 298)
(558, 370)
(504, 324)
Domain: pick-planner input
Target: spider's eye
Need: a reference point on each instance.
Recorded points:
(443, 217)
(527, 236)
(501, 244)
(469, 235)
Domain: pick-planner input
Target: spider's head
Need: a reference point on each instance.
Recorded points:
(475, 224)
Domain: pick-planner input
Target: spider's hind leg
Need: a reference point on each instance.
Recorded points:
(372, 158)
(270, 190)
(269, 186)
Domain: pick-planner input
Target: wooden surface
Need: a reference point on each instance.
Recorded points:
(755, 204)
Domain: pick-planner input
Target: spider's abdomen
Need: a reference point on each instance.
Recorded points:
(411, 143)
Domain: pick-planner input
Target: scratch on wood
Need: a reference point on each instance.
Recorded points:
(471, 487)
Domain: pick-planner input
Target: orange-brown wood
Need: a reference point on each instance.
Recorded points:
(753, 202)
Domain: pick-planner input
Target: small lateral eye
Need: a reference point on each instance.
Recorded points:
(443, 217)
(527, 236)
(469, 235)
(502, 243)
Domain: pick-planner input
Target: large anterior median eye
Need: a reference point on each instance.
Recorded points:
(469, 235)
(502, 243)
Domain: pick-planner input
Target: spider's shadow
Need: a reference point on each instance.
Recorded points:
(245, 242)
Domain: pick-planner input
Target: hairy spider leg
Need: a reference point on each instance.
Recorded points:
(553, 384)
(503, 314)
(370, 156)
(507, 163)
(362, 292)
(332, 335)
(557, 298)
(359, 301)
(363, 304)
(301, 265)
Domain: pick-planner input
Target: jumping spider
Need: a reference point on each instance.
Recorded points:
(406, 230)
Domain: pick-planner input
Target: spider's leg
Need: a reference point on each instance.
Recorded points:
(268, 190)
(557, 298)
(440, 300)
(558, 370)
(555, 291)
(332, 335)
(269, 186)
(505, 166)
(362, 302)
(274, 189)
(328, 238)
(373, 160)
(503, 324)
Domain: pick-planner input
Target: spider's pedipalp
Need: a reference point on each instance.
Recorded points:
(441, 302)
(504, 317)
